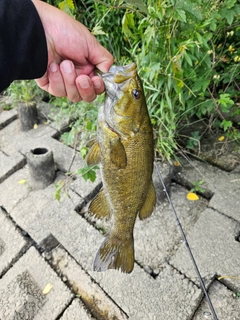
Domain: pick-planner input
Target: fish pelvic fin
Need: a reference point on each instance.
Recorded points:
(149, 203)
(93, 156)
(115, 255)
(99, 207)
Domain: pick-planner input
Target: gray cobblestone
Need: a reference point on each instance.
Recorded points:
(214, 246)
(7, 116)
(22, 290)
(10, 164)
(76, 311)
(11, 242)
(226, 304)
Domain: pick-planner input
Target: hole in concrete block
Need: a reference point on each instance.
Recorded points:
(237, 238)
(39, 151)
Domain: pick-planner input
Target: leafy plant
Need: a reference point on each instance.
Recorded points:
(24, 91)
(197, 186)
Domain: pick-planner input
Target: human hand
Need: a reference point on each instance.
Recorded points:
(73, 54)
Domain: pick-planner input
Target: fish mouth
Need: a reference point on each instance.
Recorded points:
(117, 75)
(114, 81)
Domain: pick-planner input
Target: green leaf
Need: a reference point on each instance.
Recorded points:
(97, 30)
(180, 15)
(225, 101)
(88, 172)
(228, 14)
(138, 4)
(226, 124)
(127, 24)
(188, 59)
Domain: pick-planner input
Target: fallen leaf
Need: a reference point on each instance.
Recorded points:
(221, 138)
(47, 288)
(176, 163)
(23, 181)
(192, 196)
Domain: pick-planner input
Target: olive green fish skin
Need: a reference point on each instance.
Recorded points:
(125, 141)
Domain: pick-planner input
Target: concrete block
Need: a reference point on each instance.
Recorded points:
(101, 306)
(86, 189)
(11, 192)
(40, 214)
(7, 116)
(224, 185)
(225, 303)
(170, 296)
(12, 139)
(76, 311)
(12, 243)
(158, 237)
(215, 249)
(22, 290)
(10, 164)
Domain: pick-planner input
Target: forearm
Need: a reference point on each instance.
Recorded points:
(23, 49)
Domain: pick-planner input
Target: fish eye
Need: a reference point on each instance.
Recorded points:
(136, 94)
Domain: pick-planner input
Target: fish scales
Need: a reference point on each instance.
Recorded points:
(124, 148)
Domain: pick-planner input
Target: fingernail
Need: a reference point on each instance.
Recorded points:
(67, 66)
(53, 67)
(97, 84)
(84, 84)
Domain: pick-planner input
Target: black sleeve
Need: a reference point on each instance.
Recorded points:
(23, 48)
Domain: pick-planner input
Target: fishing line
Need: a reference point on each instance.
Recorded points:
(187, 245)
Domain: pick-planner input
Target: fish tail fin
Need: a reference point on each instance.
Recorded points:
(115, 255)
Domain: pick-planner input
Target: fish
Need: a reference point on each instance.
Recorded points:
(125, 150)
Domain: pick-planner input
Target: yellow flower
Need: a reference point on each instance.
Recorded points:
(231, 49)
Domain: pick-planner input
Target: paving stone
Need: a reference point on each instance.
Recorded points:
(12, 243)
(215, 249)
(225, 303)
(7, 116)
(21, 293)
(11, 192)
(101, 306)
(170, 296)
(224, 185)
(10, 164)
(65, 158)
(76, 311)
(54, 116)
(86, 189)
(40, 214)
(12, 139)
(158, 237)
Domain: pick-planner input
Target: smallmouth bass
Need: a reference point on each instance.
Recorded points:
(125, 150)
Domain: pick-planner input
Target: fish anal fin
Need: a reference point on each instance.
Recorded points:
(115, 255)
(93, 156)
(117, 153)
(99, 207)
(149, 203)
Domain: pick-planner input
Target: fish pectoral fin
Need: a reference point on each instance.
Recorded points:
(99, 207)
(115, 255)
(93, 156)
(117, 153)
(149, 203)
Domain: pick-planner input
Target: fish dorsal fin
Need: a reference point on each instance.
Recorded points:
(149, 203)
(99, 207)
(93, 156)
(117, 153)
